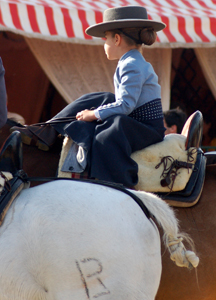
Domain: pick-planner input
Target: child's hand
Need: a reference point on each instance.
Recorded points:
(86, 115)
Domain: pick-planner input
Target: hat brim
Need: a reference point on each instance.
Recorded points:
(98, 30)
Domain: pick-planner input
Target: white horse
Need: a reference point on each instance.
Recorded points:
(69, 240)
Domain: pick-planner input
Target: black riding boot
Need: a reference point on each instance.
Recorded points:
(43, 136)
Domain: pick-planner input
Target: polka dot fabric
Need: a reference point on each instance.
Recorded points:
(149, 111)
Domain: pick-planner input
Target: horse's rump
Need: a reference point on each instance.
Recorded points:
(88, 240)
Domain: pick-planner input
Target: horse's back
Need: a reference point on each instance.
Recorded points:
(72, 240)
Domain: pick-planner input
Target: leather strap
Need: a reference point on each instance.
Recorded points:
(10, 192)
(116, 186)
(55, 121)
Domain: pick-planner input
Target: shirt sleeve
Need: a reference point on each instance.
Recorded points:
(127, 92)
(3, 96)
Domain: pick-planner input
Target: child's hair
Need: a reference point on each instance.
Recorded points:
(137, 36)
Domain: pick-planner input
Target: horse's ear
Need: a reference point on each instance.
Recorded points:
(193, 130)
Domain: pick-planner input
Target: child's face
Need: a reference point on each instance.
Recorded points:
(110, 46)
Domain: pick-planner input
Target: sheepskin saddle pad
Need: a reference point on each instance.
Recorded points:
(165, 166)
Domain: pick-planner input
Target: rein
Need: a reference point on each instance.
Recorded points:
(59, 120)
(56, 121)
(115, 186)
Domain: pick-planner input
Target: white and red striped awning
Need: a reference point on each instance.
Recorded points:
(189, 22)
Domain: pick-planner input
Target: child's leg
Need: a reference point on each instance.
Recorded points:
(44, 136)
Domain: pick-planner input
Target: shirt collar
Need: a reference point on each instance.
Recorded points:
(130, 52)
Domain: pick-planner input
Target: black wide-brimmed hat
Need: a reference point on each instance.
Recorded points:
(123, 17)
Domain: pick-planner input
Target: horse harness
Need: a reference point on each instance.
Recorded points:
(20, 180)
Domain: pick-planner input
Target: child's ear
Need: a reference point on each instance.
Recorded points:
(117, 39)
